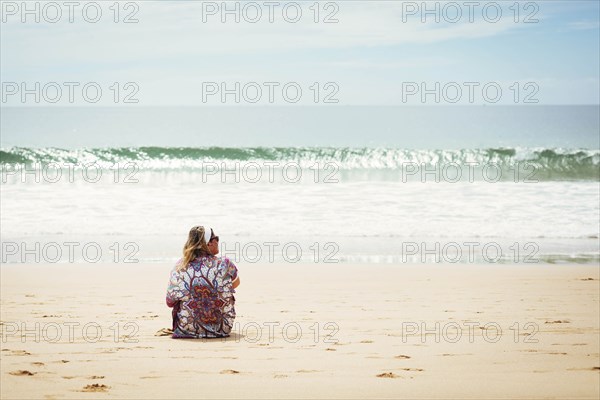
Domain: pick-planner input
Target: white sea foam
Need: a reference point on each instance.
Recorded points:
(365, 218)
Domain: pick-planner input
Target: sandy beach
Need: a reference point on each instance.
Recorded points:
(409, 192)
(307, 331)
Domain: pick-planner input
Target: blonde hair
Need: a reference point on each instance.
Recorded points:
(194, 247)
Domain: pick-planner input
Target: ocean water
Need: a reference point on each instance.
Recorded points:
(302, 204)
(398, 127)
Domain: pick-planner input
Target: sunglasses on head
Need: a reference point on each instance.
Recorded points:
(214, 238)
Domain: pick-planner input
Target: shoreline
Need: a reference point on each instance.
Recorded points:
(97, 250)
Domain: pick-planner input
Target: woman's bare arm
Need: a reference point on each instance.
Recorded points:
(236, 282)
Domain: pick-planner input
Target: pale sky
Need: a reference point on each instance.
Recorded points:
(374, 54)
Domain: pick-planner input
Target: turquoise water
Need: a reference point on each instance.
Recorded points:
(534, 163)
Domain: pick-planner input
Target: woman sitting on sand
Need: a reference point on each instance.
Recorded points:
(201, 288)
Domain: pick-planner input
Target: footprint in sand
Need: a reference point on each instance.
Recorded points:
(229, 371)
(366, 341)
(306, 371)
(387, 375)
(19, 353)
(22, 372)
(38, 364)
(96, 377)
(558, 321)
(402, 357)
(413, 369)
(164, 332)
(96, 387)
(280, 376)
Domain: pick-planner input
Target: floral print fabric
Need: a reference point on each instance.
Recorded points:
(202, 298)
